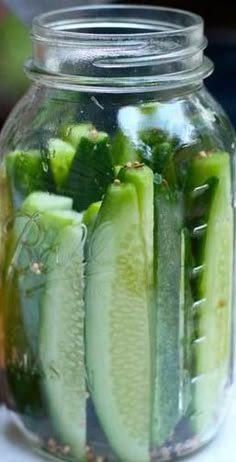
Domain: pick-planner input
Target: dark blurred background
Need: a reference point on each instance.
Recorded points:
(220, 21)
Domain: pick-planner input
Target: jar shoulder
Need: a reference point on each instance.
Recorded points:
(189, 117)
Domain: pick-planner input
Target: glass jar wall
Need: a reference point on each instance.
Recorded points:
(117, 239)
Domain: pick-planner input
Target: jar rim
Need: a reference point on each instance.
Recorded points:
(113, 47)
(59, 23)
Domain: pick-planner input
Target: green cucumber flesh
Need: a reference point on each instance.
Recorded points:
(89, 218)
(50, 298)
(61, 341)
(117, 169)
(90, 215)
(73, 133)
(213, 287)
(34, 239)
(167, 268)
(117, 325)
(142, 178)
(61, 154)
(123, 149)
(41, 201)
(149, 108)
(26, 220)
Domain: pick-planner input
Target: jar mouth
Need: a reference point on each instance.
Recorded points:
(98, 22)
(114, 47)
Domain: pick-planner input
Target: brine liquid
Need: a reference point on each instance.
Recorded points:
(136, 283)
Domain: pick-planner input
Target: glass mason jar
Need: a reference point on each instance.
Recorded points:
(117, 238)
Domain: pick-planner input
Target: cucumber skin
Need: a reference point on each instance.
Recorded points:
(26, 174)
(156, 149)
(211, 357)
(188, 322)
(110, 301)
(91, 171)
(61, 342)
(167, 267)
(151, 146)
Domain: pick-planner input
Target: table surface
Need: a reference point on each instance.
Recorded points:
(14, 447)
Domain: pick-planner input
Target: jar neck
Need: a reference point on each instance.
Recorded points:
(119, 49)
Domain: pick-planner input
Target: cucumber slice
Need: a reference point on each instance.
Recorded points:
(117, 169)
(89, 220)
(61, 155)
(212, 244)
(27, 172)
(91, 170)
(50, 293)
(40, 201)
(149, 108)
(123, 149)
(117, 327)
(142, 178)
(34, 238)
(188, 322)
(90, 215)
(61, 341)
(167, 267)
(73, 133)
(23, 385)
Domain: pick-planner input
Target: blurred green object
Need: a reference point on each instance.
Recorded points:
(15, 47)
